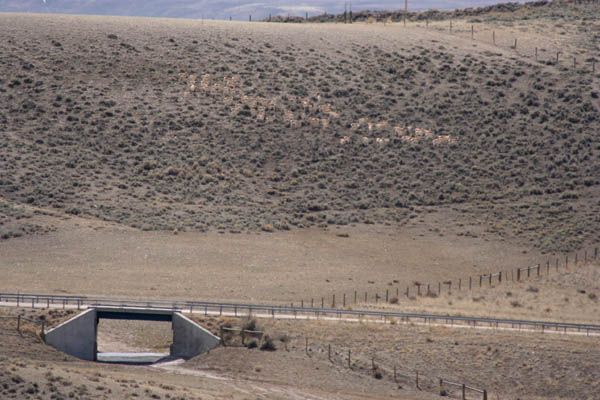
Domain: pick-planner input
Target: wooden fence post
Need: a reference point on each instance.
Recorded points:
(459, 284)
(441, 387)
(355, 296)
(518, 274)
(472, 31)
(450, 26)
(557, 54)
(333, 302)
(538, 270)
(515, 45)
(485, 395)
(329, 351)
(480, 280)
(536, 54)
(417, 381)
(344, 300)
(387, 295)
(19, 323)
(350, 358)
(470, 282)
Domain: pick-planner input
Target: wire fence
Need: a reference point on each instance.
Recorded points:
(18, 325)
(350, 358)
(397, 292)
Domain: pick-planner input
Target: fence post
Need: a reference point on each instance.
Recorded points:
(344, 300)
(441, 387)
(322, 302)
(306, 346)
(500, 277)
(575, 258)
(567, 261)
(387, 295)
(470, 282)
(464, 392)
(450, 26)
(459, 284)
(350, 358)
(538, 270)
(355, 296)
(472, 32)
(329, 351)
(485, 395)
(518, 274)
(557, 54)
(407, 291)
(439, 288)
(19, 323)
(417, 381)
(548, 267)
(480, 280)
(536, 54)
(494, 37)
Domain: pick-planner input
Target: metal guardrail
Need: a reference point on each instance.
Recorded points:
(244, 309)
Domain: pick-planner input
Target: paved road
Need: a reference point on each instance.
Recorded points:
(289, 312)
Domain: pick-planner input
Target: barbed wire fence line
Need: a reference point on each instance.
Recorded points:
(396, 292)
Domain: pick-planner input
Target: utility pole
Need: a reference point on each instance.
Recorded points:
(405, 10)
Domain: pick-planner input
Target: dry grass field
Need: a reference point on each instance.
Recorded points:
(566, 296)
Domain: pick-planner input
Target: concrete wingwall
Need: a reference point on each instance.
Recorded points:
(76, 336)
(190, 339)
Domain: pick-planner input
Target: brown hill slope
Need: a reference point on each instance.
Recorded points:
(225, 126)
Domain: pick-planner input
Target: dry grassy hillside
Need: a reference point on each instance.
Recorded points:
(218, 126)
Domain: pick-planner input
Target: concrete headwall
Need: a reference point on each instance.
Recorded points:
(190, 339)
(76, 336)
